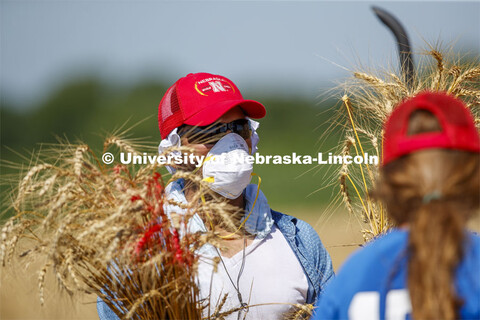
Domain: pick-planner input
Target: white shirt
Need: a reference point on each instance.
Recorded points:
(272, 275)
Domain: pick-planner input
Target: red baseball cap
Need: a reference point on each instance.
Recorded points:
(458, 127)
(199, 99)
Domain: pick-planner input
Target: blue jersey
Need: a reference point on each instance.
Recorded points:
(372, 282)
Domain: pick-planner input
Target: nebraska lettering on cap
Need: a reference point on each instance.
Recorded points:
(213, 85)
(200, 99)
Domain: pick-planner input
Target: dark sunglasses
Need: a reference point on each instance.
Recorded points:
(215, 131)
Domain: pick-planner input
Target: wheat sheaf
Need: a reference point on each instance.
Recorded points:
(365, 105)
(102, 229)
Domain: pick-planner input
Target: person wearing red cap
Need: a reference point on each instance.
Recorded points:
(273, 260)
(428, 266)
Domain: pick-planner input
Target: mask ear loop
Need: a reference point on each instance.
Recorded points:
(211, 179)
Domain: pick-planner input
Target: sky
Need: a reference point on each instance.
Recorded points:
(265, 47)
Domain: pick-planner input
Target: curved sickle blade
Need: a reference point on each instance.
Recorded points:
(406, 59)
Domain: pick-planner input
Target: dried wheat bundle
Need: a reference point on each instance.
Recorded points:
(368, 100)
(103, 229)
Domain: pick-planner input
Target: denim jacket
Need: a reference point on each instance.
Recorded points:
(302, 238)
(311, 253)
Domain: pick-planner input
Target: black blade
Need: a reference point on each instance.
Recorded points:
(405, 52)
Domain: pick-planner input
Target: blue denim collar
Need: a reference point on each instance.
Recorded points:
(259, 223)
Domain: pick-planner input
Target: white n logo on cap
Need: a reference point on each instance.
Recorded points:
(216, 86)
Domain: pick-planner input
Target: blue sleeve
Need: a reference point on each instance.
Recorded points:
(104, 312)
(319, 267)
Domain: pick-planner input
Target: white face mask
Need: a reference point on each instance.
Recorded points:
(225, 166)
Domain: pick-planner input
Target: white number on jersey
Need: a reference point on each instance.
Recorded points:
(366, 305)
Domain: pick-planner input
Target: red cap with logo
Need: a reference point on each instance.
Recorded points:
(458, 127)
(199, 99)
